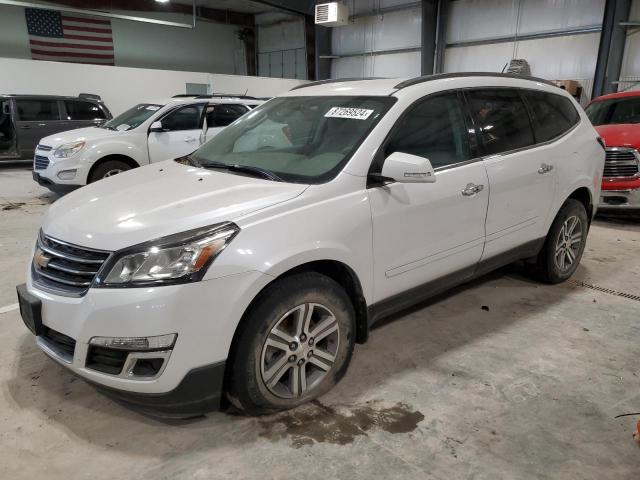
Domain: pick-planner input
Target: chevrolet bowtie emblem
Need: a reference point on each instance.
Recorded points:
(40, 259)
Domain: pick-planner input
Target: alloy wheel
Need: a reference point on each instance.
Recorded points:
(568, 243)
(112, 172)
(300, 350)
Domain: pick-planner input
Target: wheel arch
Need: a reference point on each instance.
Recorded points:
(583, 195)
(114, 156)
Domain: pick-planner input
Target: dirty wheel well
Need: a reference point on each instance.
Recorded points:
(122, 158)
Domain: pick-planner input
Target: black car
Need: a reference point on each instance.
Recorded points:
(25, 119)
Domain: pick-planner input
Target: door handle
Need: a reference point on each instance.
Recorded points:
(545, 168)
(25, 127)
(471, 189)
(190, 139)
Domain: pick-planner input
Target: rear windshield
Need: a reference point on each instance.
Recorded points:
(133, 117)
(615, 111)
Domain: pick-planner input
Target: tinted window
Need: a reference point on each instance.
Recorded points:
(434, 129)
(223, 115)
(184, 118)
(79, 110)
(38, 110)
(502, 119)
(614, 111)
(553, 115)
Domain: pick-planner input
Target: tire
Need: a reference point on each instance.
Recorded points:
(553, 265)
(108, 169)
(266, 371)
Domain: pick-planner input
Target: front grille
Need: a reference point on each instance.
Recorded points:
(40, 162)
(620, 162)
(59, 341)
(44, 148)
(106, 360)
(64, 268)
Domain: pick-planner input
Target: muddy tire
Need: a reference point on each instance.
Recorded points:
(564, 245)
(294, 344)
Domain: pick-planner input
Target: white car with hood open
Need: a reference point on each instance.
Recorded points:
(248, 274)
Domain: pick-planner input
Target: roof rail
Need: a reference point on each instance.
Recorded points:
(333, 80)
(440, 76)
(219, 95)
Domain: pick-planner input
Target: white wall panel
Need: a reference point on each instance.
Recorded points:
(122, 87)
(478, 19)
(388, 65)
(631, 59)
(399, 29)
(281, 48)
(365, 7)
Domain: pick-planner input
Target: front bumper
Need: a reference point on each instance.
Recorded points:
(620, 200)
(204, 315)
(46, 169)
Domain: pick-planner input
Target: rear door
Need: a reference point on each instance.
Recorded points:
(521, 177)
(221, 115)
(81, 113)
(182, 128)
(36, 118)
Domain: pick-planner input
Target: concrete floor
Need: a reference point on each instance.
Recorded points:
(503, 378)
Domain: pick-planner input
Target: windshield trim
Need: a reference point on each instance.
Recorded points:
(387, 101)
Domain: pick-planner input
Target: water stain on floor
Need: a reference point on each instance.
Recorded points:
(340, 425)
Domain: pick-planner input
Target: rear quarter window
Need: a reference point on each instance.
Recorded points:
(79, 110)
(553, 115)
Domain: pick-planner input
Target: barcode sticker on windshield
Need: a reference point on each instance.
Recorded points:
(346, 112)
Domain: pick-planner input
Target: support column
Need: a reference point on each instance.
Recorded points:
(612, 42)
(429, 36)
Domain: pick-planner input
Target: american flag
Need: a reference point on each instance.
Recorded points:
(69, 38)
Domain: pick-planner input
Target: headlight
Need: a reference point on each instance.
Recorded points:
(68, 149)
(178, 258)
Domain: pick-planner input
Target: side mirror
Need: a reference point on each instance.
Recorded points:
(406, 168)
(156, 127)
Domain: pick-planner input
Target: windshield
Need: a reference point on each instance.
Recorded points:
(615, 111)
(132, 117)
(297, 139)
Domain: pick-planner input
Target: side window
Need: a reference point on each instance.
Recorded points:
(79, 110)
(553, 114)
(184, 118)
(223, 115)
(502, 119)
(433, 129)
(37, 110)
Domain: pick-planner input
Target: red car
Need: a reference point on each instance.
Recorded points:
(616, 117)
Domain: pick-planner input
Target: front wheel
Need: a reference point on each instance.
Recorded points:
(564, 244)
(108, 169)
(294, 345)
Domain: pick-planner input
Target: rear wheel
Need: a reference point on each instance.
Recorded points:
(564, 244)
(108, 169)
(294, 345)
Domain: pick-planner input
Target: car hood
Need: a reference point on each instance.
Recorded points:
(87, 134)
(622, 135)
(157, 200)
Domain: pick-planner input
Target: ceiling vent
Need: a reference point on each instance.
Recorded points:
(332, 14)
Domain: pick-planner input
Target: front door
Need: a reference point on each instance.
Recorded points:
(522, 178)
(36, 118)
(180, 136)
(426, 231)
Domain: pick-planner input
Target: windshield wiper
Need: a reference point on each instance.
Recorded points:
(256, 171)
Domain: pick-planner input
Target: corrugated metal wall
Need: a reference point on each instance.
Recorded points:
(281, 46)
(630, 73)
(367, 46)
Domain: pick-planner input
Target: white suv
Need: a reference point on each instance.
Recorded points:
(248, 274)
(146, 133)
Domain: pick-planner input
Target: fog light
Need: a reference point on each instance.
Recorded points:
(67, 174)
(136, 343)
